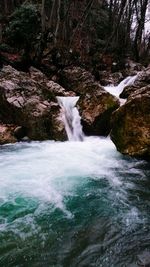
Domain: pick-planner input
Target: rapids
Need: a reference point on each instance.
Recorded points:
(67, 204)
(117, 90)
(71, 118)
(73, 204)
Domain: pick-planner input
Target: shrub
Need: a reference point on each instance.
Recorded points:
(24, 27)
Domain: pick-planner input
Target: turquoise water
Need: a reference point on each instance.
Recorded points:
(72, 204)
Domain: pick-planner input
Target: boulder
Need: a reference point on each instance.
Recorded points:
(28, 100)
(107, 78)
(143, 79)
(131, 124)
(7, 134)
(95, 104)
(20, 132)
(76, 79)
(96, 109)
(131, 67)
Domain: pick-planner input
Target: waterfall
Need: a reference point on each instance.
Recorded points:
(116, 90)
(71, 118)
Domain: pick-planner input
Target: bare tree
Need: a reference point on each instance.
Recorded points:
(82, 20)
(43, 15)
(52, 14)
(141, 8)
(57, 20)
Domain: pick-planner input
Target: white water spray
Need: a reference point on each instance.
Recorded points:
(117, 90)
(71, 118)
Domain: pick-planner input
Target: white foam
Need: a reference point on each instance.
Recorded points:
(50, 171)
(71, 118)
(117, 90)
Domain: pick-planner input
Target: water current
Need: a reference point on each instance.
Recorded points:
(72, 204)
(71, 118)
(116, 90)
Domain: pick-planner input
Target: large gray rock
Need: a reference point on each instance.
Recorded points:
(131, 124)
(96, 109)
(28, 100)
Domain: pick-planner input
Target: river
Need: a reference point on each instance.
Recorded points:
(72, 204)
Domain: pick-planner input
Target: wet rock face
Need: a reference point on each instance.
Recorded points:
(77, 80)
(10, 133)
(7, 134)
(28, 100)
(95, 104)
(95, 110)
(143, 79)
(107, 78)
(131, 124)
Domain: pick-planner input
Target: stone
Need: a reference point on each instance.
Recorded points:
(76, 79)
(95, 110)
(28, 100)
(131, 124)
(107, 78)
(7, 134)
(55, 88)
(20, 132)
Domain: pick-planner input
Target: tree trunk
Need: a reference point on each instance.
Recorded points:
(5, 7)
(0, 33)
(82, 20)
(57, 21)
(50, 23)
(139, 31)
(43, 15)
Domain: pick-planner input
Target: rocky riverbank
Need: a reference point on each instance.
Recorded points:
(29, 108)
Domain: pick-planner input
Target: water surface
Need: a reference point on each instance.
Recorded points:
(72, 204)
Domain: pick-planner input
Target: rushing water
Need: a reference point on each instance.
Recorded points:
(72, 204)
(71, 117)
(117, 90)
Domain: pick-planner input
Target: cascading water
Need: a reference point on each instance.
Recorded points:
(73, 204)
(71, 118)
(117, 90)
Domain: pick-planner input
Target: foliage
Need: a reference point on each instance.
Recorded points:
(99, 24)
(24, 26)
(103, 26)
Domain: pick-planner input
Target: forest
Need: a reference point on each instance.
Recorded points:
(88, 32)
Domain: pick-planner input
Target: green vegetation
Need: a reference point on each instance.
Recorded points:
(24, 27)
(89, 29)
